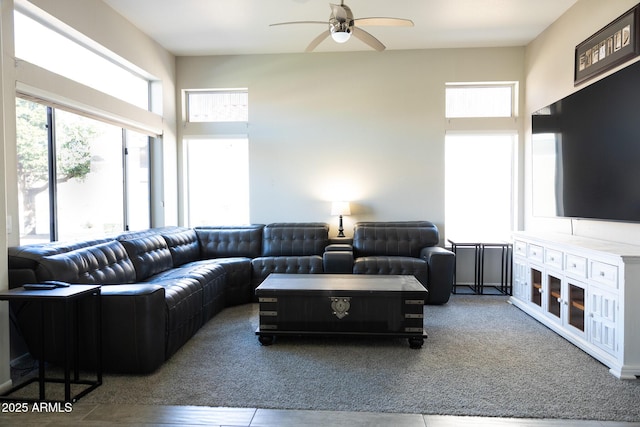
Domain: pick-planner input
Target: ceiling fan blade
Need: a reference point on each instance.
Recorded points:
(384, 22)
(368, 39)
(315, 42)
(299, 22)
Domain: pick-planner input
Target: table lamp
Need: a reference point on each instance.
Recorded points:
(340, 208)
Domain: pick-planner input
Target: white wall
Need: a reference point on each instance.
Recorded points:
(549, 69)
(366, 127)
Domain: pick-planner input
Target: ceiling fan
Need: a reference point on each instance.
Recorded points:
(342, 25)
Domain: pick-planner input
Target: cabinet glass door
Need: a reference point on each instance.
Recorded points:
(536, 287)
(554, 301)
(576, 306)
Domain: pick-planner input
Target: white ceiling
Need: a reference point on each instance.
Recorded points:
(227, 27)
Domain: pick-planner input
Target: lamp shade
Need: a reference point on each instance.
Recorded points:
(340, 208)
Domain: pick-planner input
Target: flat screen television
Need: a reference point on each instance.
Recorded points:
(586, 152)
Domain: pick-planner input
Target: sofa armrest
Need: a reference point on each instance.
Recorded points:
(133, 327)
(338, 258)
(441, 267)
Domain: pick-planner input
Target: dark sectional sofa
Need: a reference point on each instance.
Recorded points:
(161, 285)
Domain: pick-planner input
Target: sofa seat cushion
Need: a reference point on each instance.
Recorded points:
(388, 265)
(183, 310)
(103, 263)
(211, 278)
(264, 266)
(237, 288)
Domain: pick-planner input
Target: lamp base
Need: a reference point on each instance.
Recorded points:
(340, 228)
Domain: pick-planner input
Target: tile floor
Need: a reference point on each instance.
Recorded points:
(106, 415)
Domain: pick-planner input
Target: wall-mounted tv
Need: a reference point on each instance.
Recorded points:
(586, 152)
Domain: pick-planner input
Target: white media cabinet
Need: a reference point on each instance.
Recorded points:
(586, 290)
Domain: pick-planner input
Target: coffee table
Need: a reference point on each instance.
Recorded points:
(341, 304)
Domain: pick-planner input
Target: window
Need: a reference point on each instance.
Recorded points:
(59, 53)
(218, 106)
(479, 165)
(218, 181)
(479, 186)
(217, 165)
(71, 173)
(480, 100)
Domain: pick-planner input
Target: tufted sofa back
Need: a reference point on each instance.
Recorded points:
(400, 238)
(148, 251)
(103, 263)
(183, 245)
(295, 239)
(230, 241)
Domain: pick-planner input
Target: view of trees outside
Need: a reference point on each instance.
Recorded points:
(89, 174)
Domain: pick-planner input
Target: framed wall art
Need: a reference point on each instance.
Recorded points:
(611, 46)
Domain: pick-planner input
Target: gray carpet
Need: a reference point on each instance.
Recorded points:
(483, 357)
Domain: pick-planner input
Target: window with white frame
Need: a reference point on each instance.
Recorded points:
(71, 171)
(480, 100)
(217, 163)
(228, 105)
(479, 165)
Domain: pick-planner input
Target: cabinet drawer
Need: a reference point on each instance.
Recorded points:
(553, 258)
(536, 252)
(604, 273)
(520, 248)
(576, 265)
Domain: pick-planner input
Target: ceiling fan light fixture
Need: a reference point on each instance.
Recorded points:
(340, 31)
(340, 36)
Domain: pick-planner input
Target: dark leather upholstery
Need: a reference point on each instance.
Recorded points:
(104, 263)
(338, 258)
(150, 254)
(290, 248)
(405, 247)
(295, 239)
(160, 285)
(223, 242)
(264, 266)
(183, 245)
(405, 238)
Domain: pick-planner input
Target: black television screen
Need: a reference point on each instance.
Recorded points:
(586, 152)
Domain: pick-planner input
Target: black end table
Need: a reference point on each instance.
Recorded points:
(69, 297)
(505, 286)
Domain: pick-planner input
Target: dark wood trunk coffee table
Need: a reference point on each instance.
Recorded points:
(341, 304)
